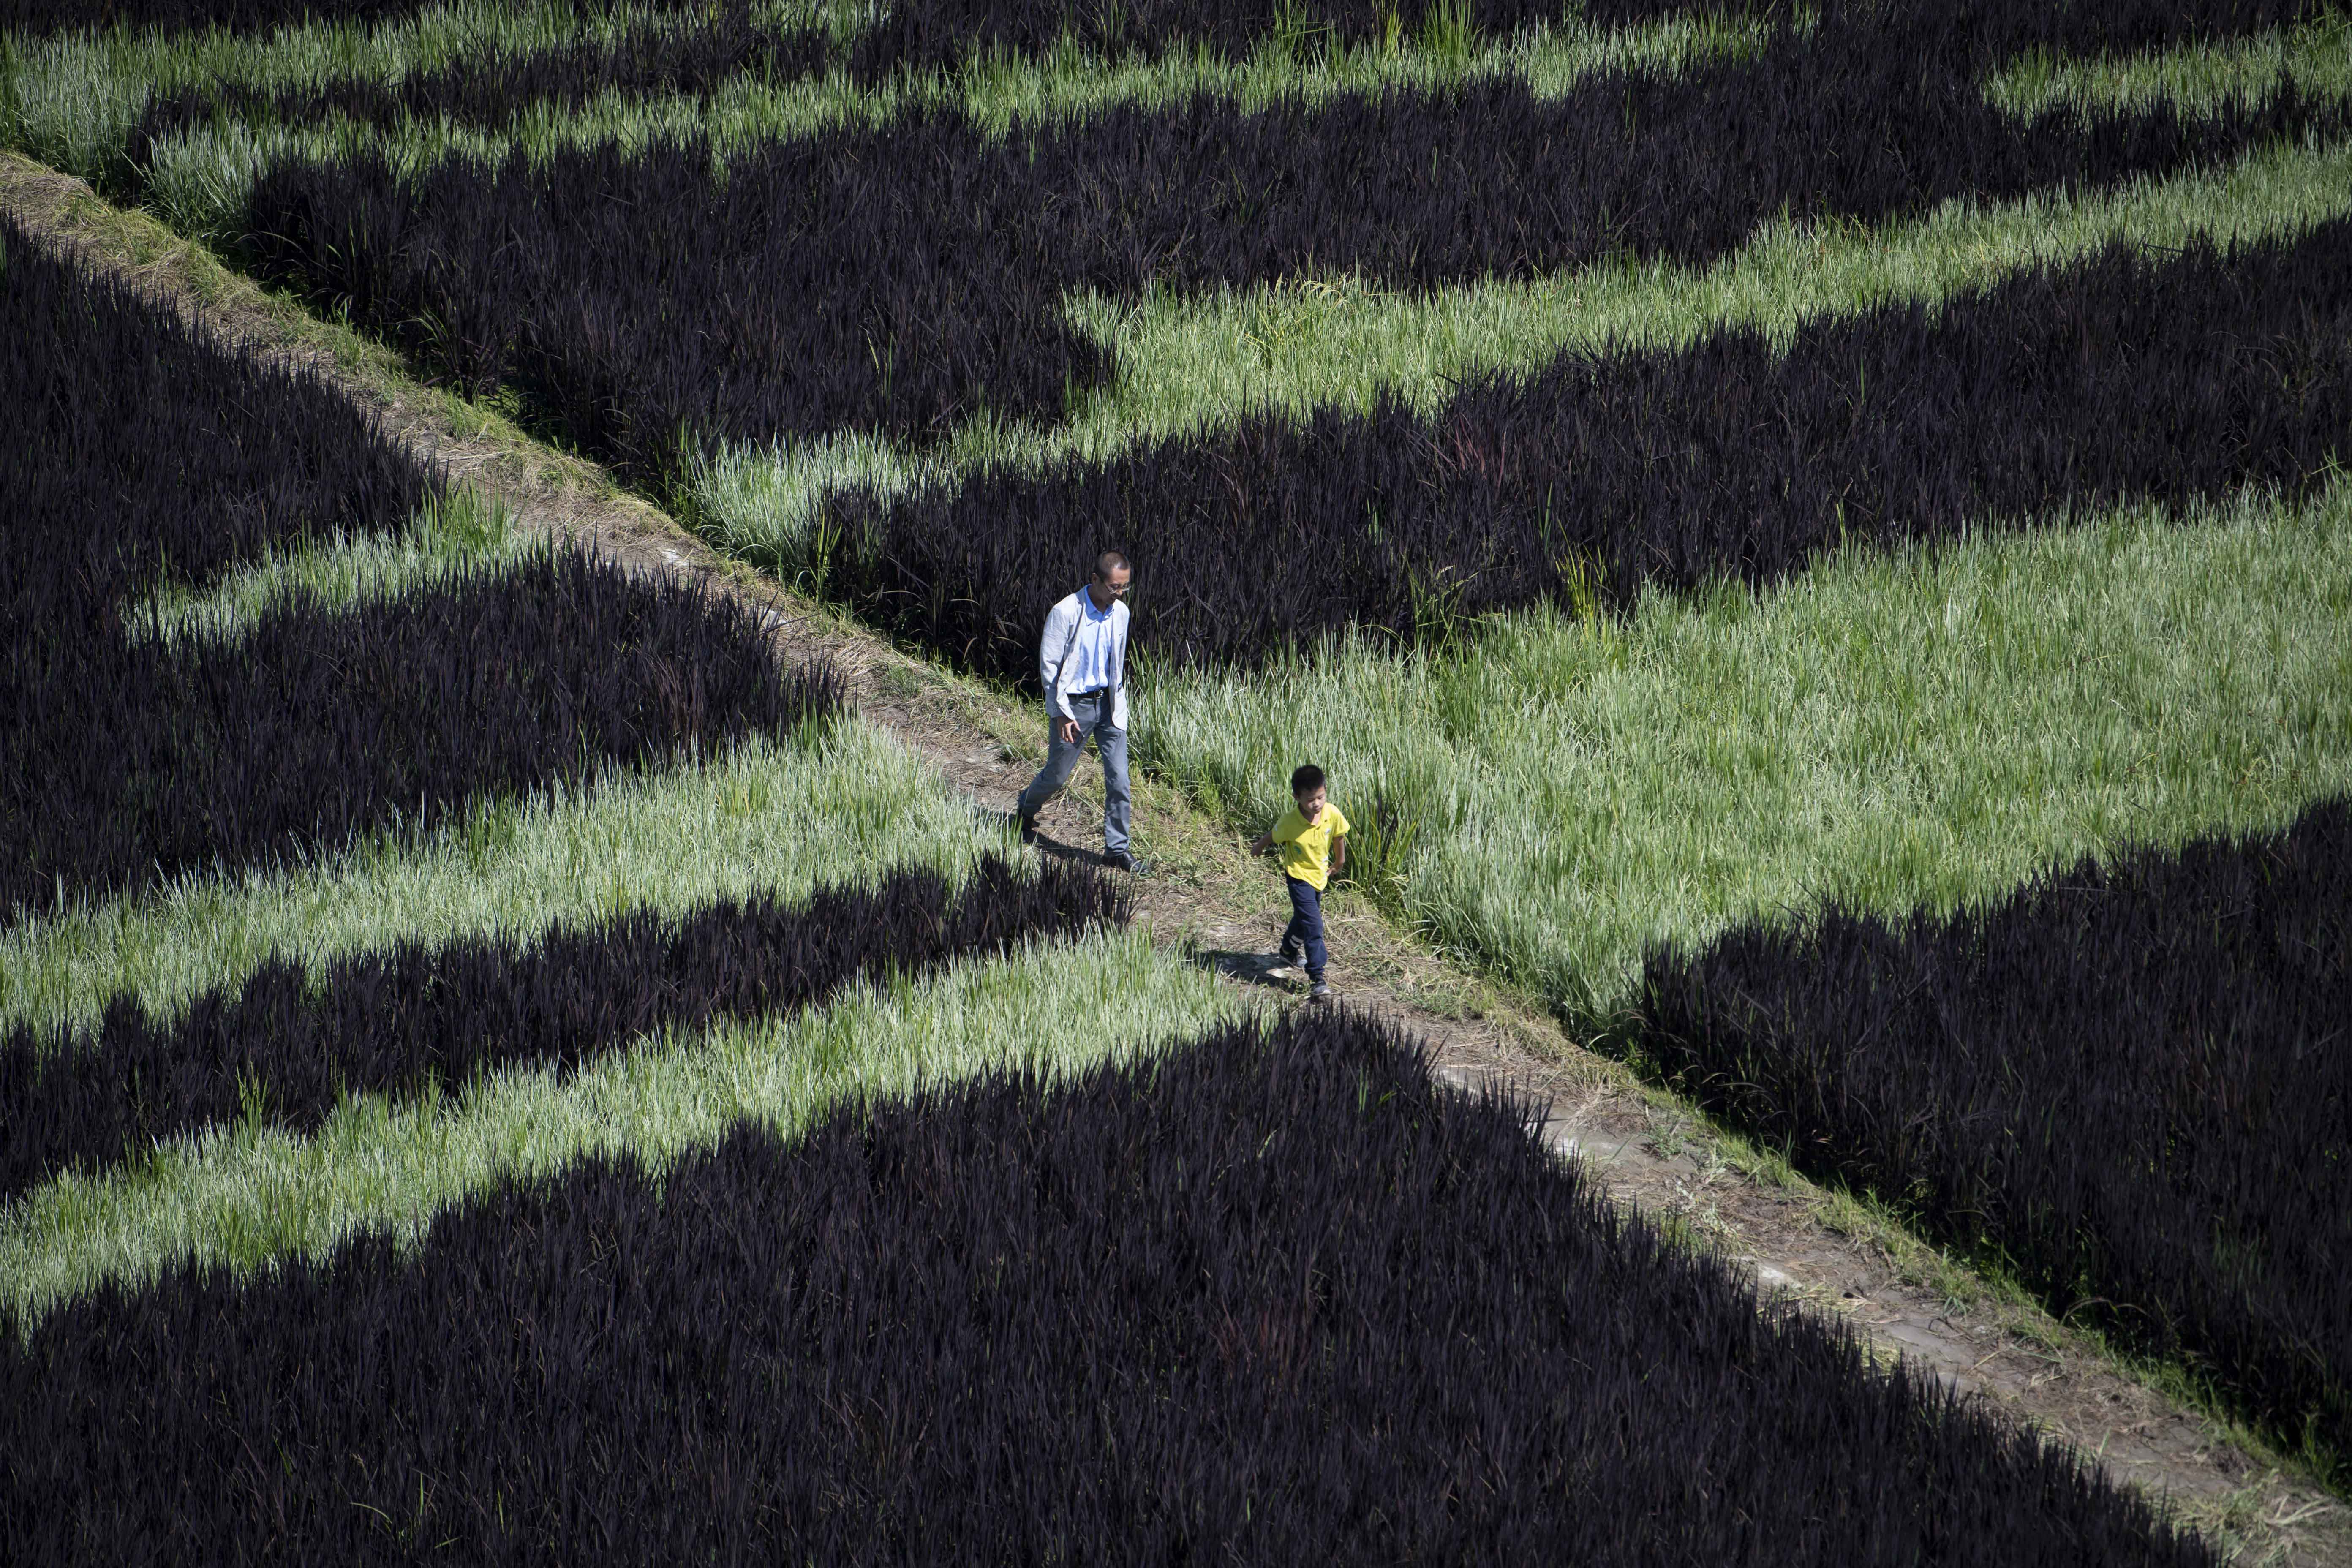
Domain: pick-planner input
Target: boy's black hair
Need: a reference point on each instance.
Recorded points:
(1304, 777)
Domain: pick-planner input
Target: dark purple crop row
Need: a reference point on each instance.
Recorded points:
(291, 1044)
(2131, 1084)
(2126, 376)
(144, 760)
(141, 455)
(698, 48)
(908, 278)
(1275, 1298)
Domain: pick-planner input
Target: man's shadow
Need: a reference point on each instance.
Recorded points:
(1053, 848)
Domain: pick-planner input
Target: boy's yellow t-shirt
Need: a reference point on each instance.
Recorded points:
(1307, 847)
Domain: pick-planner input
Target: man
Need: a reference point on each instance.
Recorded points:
(1082, 663)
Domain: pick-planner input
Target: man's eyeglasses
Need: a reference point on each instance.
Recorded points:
(1114, 590)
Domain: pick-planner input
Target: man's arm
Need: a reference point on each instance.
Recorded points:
(1053, 647)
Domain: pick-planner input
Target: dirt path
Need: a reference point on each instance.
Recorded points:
(1203, 894)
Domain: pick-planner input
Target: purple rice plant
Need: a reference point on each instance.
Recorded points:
(143, 454)
(715, 47)
(907, 278)
(390, 1022)
(2131, 1084)
(1275, 1296)
(2122, 377)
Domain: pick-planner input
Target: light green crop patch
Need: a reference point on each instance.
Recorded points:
(246, 1197)
(1301, 345)
(463, 533)
(2199, 79)
(848, 805)
(1920, 728)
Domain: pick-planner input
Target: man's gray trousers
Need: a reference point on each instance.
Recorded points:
(1092, 711)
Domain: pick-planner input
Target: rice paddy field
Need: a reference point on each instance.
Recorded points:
(1815, 543)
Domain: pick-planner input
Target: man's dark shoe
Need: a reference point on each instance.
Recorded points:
(1028, 830)
(1123, 860)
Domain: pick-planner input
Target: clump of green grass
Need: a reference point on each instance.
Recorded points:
(1926, 728)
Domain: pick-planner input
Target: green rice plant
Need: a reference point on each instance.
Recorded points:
(778, 816)
(1552, 60)
(462, 530)
(1920, 729)
(1191, 364)
(73, 103)
(244, 1196)
(768, 508)
(2316, 56)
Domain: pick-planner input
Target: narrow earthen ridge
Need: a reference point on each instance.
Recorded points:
(1201, 894)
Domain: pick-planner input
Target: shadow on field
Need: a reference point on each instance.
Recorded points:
(1051, 847)
(1248, 968)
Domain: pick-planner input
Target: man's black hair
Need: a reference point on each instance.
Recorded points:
(1304, 777)
(1109, 562)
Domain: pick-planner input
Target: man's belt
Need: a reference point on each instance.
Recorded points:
(1097, 691)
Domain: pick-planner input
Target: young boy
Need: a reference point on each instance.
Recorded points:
(1312, 841)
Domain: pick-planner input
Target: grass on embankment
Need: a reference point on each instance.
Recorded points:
(845, 806)
(241, 1196)
(1925, 727)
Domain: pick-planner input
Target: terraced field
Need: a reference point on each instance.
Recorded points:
(1813, 543)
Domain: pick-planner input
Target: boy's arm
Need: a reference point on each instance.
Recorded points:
(1265, 842)
(1339, 854)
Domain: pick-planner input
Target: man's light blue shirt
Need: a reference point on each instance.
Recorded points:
(1094, 659)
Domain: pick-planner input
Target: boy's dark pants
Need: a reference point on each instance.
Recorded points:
(1306, 926)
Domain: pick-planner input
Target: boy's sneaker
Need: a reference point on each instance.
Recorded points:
(1321, 992)
(1281, 961)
